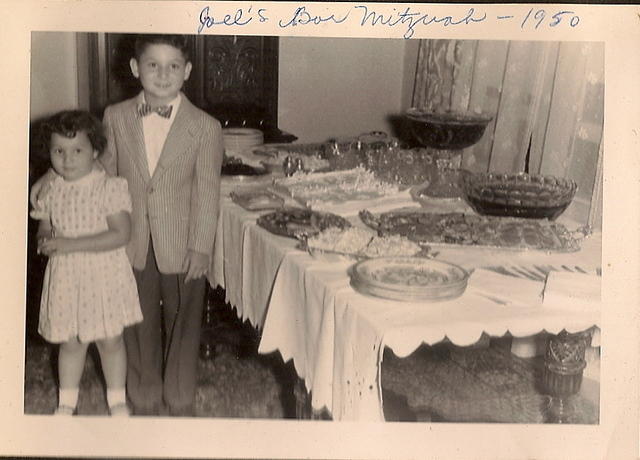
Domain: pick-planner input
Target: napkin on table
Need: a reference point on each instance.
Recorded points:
(504, 288)
(570, 290)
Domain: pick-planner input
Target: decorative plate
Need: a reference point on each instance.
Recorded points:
(409, 278)
(473, 230)
(300, 222)
(257, 200)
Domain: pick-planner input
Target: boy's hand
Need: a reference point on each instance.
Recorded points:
(40, 189)
(195, 264)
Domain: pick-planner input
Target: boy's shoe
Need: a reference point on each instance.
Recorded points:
(185, 411)
(147, 411)
(64, 410)
(120, 410)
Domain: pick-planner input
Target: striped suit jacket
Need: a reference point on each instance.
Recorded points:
(178, 205)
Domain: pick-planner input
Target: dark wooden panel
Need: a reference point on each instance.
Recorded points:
(234, 78)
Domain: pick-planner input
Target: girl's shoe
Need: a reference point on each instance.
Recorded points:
(120, 410)
(64, 410)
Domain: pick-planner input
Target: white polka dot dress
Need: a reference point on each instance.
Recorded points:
(88, 295)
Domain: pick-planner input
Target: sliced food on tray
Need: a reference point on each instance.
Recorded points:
(362, 243)
(300, 222)
(324, 190)
(473, 230)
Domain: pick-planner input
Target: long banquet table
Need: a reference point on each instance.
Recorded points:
(308, 311)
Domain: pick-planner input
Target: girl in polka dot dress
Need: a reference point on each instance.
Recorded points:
(89, 292)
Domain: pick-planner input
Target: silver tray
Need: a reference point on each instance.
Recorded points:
(246, 200)
(413, 222)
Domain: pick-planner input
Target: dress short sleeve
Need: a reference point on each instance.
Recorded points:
(42, 208)
(117, 196)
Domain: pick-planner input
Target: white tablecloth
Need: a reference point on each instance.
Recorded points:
(309, 313)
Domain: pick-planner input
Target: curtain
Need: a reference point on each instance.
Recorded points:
(546, 100)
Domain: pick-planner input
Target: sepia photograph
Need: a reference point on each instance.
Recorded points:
(404, 230)
(320, 231)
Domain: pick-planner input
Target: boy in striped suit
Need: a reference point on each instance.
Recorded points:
(170, 152)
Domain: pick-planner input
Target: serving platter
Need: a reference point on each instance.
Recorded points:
(300, 222)
(324, 190)
(411, 279)
(274, 156)
(257, 200)
(460, 229)
(358, 244)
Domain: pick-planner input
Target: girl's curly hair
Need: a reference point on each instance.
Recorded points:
(69, 122)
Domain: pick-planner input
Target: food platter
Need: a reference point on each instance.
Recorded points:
(273, 156)
(237, 170)
(358, 244)
(412, 279)
(323, 191)
(257, 200)
(459, 229)
(300, 222)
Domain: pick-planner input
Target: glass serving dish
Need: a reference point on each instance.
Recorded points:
(448, 130)
(446, 134)
(257, 200)
(412, 279)
(518, 195)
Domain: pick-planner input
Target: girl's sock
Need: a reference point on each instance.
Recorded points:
(68, 397)
(116, 396)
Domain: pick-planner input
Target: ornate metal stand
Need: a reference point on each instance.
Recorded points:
(562, 374)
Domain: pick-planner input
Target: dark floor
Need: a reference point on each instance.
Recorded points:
(435, 384)
(234, 380)
(228, 386)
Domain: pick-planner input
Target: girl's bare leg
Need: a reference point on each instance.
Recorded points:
(113, 356)
(71, 360)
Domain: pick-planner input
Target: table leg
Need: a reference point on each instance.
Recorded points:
(562, 373)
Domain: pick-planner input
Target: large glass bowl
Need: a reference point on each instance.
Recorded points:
(446, 130)
(518, 195)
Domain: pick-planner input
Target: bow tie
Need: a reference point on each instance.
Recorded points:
(163, 110)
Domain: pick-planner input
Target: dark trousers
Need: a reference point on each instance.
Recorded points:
(162, 350)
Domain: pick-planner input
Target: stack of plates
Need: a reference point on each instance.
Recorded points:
(237, 140)
(410, 279)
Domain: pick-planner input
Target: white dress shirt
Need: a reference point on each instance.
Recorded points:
(156, 129)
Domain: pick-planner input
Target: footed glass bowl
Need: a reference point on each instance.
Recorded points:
(446, 130)
(518, 195)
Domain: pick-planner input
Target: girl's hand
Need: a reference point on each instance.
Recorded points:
(195, 265)
(54, 246)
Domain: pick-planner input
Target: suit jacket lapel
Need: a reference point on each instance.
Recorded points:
(133, 123)
(179, 135)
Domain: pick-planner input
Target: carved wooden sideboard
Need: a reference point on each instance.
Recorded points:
(234, 78)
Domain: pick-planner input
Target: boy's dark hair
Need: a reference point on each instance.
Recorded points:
(179, 42)
(68, 122)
